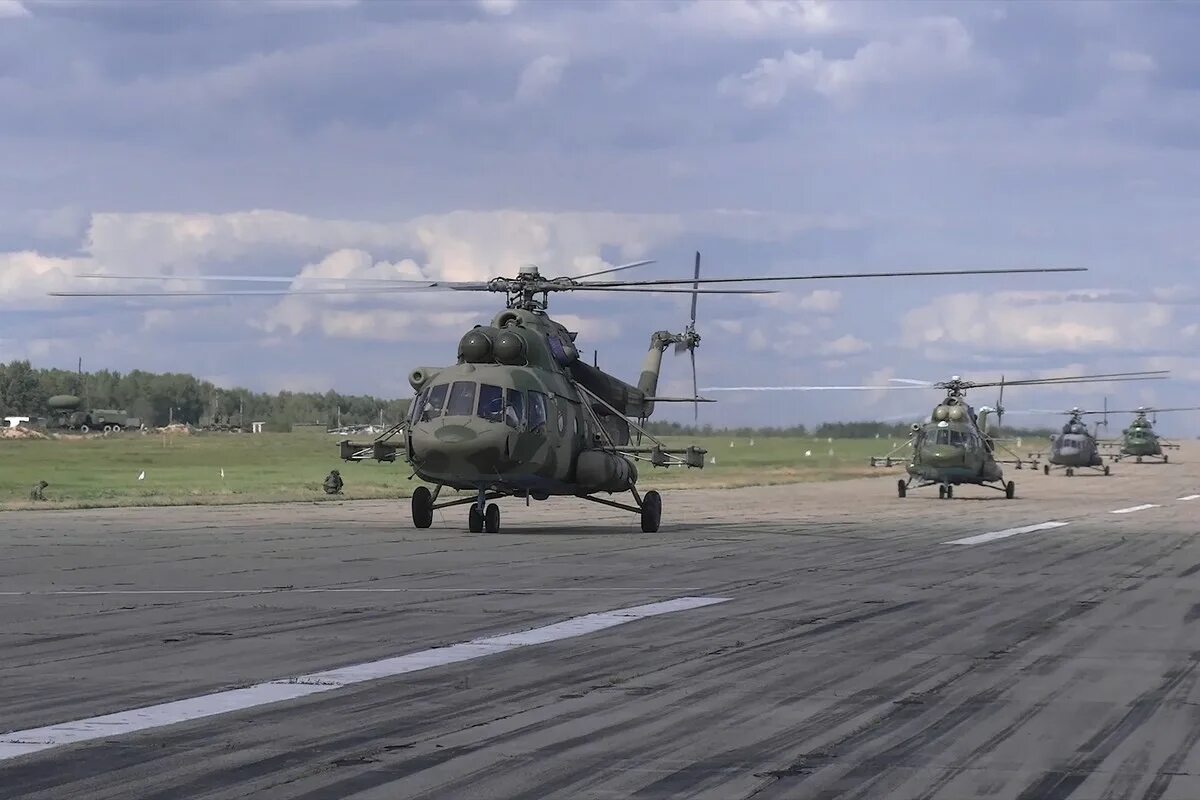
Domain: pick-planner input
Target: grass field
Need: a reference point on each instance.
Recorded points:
(187, 469)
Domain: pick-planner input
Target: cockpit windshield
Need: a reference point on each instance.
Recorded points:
(951, 437)
(462, 399)
(491, 402)
(429, 405)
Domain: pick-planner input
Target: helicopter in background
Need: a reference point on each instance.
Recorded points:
(956, 445)
(1139, 441)
(1077, 446)
(520, 414)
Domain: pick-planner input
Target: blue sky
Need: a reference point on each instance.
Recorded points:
(460, 140)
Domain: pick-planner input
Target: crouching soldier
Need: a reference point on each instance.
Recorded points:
(38, 492)
(333, 483)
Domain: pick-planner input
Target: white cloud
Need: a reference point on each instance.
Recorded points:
(499, 8)
(929, 50)
(1009, 321)
(848, 345)
(26, 277)
(824, 301)
(12, 9)
(539, 78)
(755, 18)
(1132, 61)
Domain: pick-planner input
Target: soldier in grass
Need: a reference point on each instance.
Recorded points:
(333, 483)
(38, 492)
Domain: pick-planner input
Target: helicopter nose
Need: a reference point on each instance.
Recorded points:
(943, 455)
(462, 449)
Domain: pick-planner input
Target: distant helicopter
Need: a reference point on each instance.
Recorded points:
(1139, 441)
(520, 414)
(956, 446)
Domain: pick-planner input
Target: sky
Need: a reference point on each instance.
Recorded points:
(461, 140)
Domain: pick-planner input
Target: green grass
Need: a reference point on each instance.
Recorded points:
(186, 470)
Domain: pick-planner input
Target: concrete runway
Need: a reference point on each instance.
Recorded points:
(858, 655)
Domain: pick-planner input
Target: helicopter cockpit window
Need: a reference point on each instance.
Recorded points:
(462, 399)
(514, 408)
(432, 401)
(537, 412)
(491, 402)
(418, 403)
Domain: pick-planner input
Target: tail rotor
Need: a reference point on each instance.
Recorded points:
(689, 340)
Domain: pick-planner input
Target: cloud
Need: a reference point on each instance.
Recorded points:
(12, 9)
(1006, 321)
(539, 78)
(757, 18)
(848, 345)
(1132, 61)
(930, 50)
(499, 8)
(824, 301)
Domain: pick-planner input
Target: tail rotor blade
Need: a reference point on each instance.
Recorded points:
(695, 287)
(695, 387)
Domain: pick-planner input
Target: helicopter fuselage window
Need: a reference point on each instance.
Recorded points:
(514, 408)
(418, 403)
(491, 402)
(462, 399)
(431, 406)
(537, 412)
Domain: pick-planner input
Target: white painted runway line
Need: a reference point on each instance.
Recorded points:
(288, 590)
(1189, 497)
(19, 743)
(1132, 509)
(994, 535)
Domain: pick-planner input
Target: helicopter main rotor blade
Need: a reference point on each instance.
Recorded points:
(808, 388)
(453, 287)
(843, 276)
(1099, 378)
(253, 279)
(614, 269)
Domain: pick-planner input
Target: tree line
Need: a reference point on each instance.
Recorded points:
(159, 398)
(826, 430)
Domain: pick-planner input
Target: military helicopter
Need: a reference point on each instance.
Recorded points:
(520, 414)
(956, 445)
(1078, 446)
(1139, 441)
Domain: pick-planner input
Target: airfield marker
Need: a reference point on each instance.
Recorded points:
(1132, 509)
(1189, 497)
(33, 740)
(994, 535)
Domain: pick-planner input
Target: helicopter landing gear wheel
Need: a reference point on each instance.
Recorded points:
(422, 507)
(902, 489)
(1010, 490)
(1166, 459)
(1070, 472)
(491, 519)
(949, 492)
(651, 511)
(1107, 471)
(475, 520)
(1046, 469)
(1139, 459)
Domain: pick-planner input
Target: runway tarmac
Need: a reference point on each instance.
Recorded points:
(811, 641)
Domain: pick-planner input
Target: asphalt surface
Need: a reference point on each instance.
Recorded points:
(858, 655)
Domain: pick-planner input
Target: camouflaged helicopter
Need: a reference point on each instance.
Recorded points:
(956, 445)
(520, 414)
(1139, 441)
(1078, 446)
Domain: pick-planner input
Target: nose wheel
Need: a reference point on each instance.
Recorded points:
(651, 511)
(486, 521)
(422, 507)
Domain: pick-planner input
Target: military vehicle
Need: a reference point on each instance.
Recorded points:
(520, 414)
(67, 413)
(1139, 441)
(956, 445)
(1077, 447)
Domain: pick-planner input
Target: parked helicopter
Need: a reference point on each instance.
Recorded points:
(520, 414)
(1139, 441)
(956, 446)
